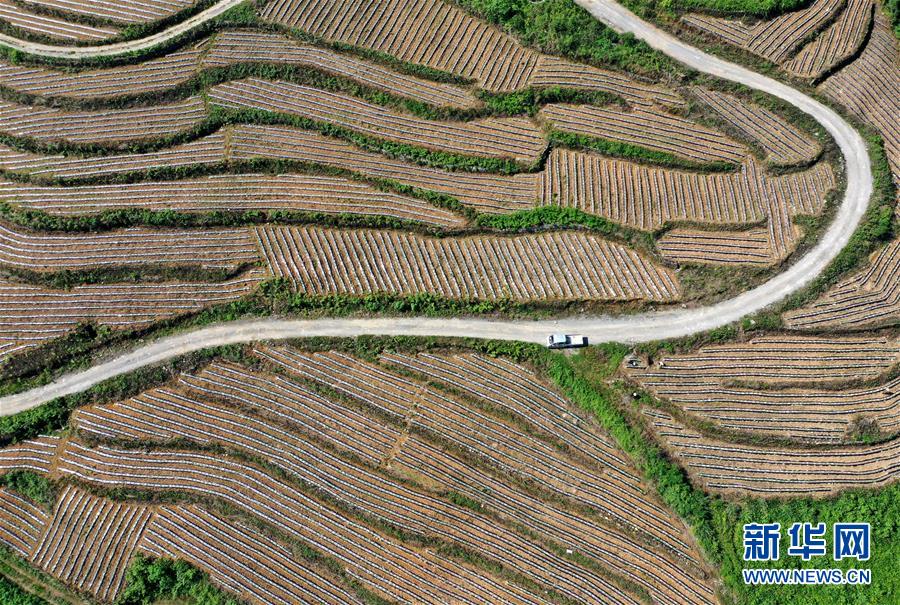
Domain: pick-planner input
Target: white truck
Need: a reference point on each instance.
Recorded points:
(566, 341)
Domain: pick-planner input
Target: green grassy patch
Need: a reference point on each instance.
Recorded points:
(33, 486)
(151, 580)
(756, 8)
(717, 523)
(630, 151)
(11, 594)
(881, 508)
(556, 217)
(561, 27)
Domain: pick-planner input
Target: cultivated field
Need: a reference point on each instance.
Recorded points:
(246, 143)
(363, 449)
(239, 47)
(163, 415)
(867, 86)
(751, 247)
(649, 128)
(560, 266)
(514, 138)
(777, 39)
(647, 198)
(867, 299)
(783, 143)
(213, 248)
(790, 359)
(232, 193)
(429, 32)
(502, 445)
(21, 522)
(774, 472)
(836, 44)
(384, 564)
(551, 72)
(290, 414)
(151, 76)
(763, 404)
(441, 36)
(31, 315)
(53, 28)
(35, 455)
(101, 127)
(240, 559)
(209, 150)
(484, 192)
(89, 542)
(130, 11)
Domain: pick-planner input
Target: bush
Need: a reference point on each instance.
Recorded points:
(561, 27)
(151, 580)
(11, 594)
(892, 8)
(756, 8)
(31, 485)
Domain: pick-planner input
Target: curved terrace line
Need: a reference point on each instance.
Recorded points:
(633, 328)
(76, 53)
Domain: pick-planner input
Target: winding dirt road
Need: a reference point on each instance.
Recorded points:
(633, 328)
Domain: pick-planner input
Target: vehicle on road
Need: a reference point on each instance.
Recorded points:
(566, 341)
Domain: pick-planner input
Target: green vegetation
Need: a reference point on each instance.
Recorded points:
(881, 508)
(633, 152)
(756, 8)
(561, 27)
(282, 299)
(581, 380)
(717, 523)
(530, 100)
(557, 217)
(11, 594)
(892, 8)
(36, 488)
(45, 588)
(149, 581)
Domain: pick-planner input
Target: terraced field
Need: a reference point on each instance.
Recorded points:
(779, 386)
(240, 559)
(565, 266)
(869, 298)
(219, 249)
(21, 522)
(649, 128)
(784, 143)
(353, 460)
(776, 39)
(232, 193)
(89, 542)
(648, 198)
(130, 11)
(230, 48)
(855, 60)
(515, 138)
(155, 75)
(728, 468)
(440, 172)
(101, 127)
(31, 315)
(351, 152)
(59, 30)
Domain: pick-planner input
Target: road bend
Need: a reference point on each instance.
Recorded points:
(653, 325)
